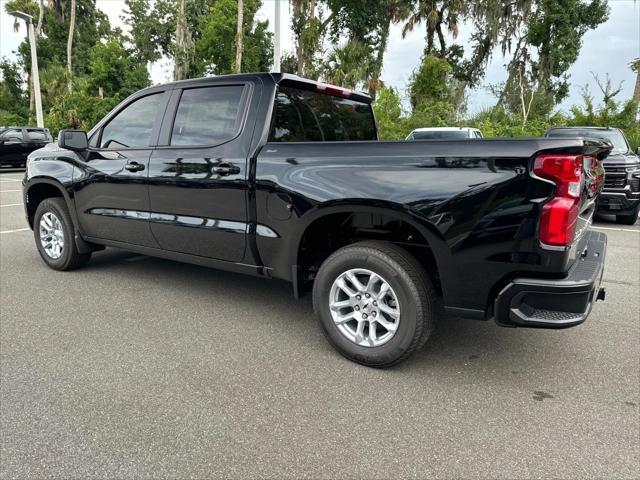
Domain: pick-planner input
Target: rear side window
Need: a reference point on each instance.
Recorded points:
(306, 116)
(131, 127)
(208, 115)
(38, 135)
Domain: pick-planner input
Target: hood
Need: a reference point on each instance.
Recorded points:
(621, 159)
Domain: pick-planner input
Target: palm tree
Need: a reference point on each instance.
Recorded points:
(435, 13)
(635, 66)
(239, 36)
(183, 44)
(40, 18)
(349, 66)
(72, 26)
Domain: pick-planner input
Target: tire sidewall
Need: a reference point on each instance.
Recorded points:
(55, 263)
(406, 292)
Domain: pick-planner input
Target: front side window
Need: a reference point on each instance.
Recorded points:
(12, 135)
(208, 115)
(307, 116)
(131, 127)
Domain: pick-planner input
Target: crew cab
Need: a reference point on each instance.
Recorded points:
(621, 193)
(16, 143)
(282, 177)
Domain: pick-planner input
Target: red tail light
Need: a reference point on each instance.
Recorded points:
(332, 89)
(559, 216)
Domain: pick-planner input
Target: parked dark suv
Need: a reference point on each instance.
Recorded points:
(16, 143)
(621, 194)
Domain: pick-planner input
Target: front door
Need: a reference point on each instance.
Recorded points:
(197, 180)
(111, 197)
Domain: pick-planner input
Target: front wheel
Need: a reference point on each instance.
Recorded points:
(375, 303)
(629, 219)
(54, 235)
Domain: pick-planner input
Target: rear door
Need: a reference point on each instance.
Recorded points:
(198, 173)
(112, 198)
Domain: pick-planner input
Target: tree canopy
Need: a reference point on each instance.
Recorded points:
(337, 41)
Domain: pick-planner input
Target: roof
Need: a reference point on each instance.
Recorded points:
(23, 126)
(276, 78)
(583, 128)
(444, 129)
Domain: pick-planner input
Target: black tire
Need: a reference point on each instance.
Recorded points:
(70, 258)
(629, 219)
(412, 286)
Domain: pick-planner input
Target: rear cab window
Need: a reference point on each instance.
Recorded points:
(305, 115)
(38, 135)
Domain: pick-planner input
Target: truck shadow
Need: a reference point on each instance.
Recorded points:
(456, 345)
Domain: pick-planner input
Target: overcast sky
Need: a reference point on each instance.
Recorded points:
(607, 49)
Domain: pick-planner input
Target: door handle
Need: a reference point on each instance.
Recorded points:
(134, 167)
(225, 169)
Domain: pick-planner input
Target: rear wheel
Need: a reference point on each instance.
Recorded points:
(375, 303)
(54, 235)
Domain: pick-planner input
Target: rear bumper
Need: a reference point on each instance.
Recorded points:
(544, 303)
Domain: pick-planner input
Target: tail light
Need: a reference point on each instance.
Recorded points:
(332, 89)
(560, 215)
(595, 175)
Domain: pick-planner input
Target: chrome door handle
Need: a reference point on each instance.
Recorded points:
(225, 169)
(134, 167)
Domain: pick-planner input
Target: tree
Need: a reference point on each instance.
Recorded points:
(14, 106)
(183, 44)
(555, 29)
(434, 14)
(150, 28)
(239, 37)
(635, 66)
(308, 30)
(367, 24)
(349, 66)
(214, 49)
(72, 25)
(114, 71)
(431, 93)
(389, 115)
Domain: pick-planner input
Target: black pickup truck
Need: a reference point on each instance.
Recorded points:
(281, 177)
(621, 193)
(16, 143)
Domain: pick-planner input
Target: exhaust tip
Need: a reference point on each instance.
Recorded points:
(601, 294)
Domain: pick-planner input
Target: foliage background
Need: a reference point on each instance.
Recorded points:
(337, 41)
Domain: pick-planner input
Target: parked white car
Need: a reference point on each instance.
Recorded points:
(444, 133)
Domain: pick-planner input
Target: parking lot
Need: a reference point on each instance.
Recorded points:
(138, 367)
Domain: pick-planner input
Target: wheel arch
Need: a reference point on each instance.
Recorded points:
(342, 220)
(39, 189)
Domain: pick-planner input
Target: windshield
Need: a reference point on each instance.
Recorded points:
(439, 135)
(614, 137)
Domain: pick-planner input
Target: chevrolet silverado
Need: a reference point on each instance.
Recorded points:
(281, 177)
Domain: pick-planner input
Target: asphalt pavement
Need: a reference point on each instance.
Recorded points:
(136, 367)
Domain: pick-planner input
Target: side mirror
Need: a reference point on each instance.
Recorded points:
(73, 140)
